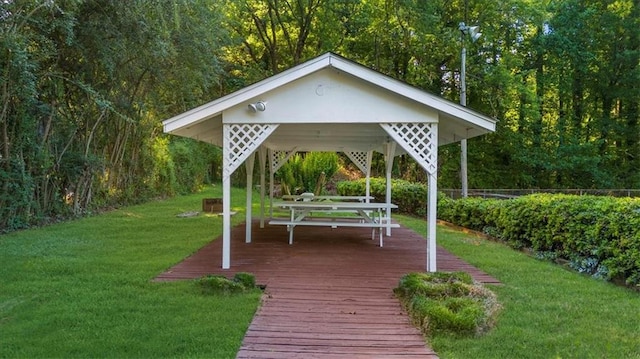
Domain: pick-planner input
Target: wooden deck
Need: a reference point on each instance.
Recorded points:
(329, 295)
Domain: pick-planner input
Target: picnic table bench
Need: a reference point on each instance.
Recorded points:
(312, 197)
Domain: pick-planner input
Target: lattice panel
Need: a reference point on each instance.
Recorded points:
(420, 140)
(359, 159)
(279, 158)
(241, 140)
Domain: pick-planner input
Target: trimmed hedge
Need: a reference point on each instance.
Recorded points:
(410, 197)
(596, 235)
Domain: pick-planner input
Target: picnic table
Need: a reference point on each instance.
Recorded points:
(359, 214)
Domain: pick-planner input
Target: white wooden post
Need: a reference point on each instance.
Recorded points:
(249, 215)
(420, 140)
(271, 179)
(432, 205)
(368, 175)
(226, 222)
(226, 201)
(239, 142)
(262, 154)
(389, 155)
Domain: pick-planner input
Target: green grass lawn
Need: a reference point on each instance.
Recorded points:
(549, 312)
(84, 289)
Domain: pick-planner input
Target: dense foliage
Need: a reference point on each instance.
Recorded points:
(307, 172)
(559, 75)
(599, 236)
(85, 84)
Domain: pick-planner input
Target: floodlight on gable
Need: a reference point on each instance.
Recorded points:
(258, 106)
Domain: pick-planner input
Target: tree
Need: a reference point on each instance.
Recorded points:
(84, 86)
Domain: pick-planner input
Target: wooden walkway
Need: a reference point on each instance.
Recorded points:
(329, 295)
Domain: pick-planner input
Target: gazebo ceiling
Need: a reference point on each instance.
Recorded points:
(328, 137)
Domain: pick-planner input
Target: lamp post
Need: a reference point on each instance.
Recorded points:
(474, 34)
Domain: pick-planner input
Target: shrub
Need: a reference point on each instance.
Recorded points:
(455, 315)
(448, 302)
(410, 197)
(599, 236)
(248, 280)
(470, 213)
(217, 284)
(596, 235)
(290, 175)
(301, 172)
(433, 285)
(315, 164)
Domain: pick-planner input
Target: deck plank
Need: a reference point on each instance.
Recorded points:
(329, 295)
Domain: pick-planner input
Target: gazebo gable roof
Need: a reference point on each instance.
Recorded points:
(406, 103)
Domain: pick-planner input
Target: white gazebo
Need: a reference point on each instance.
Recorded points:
(328, 104)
